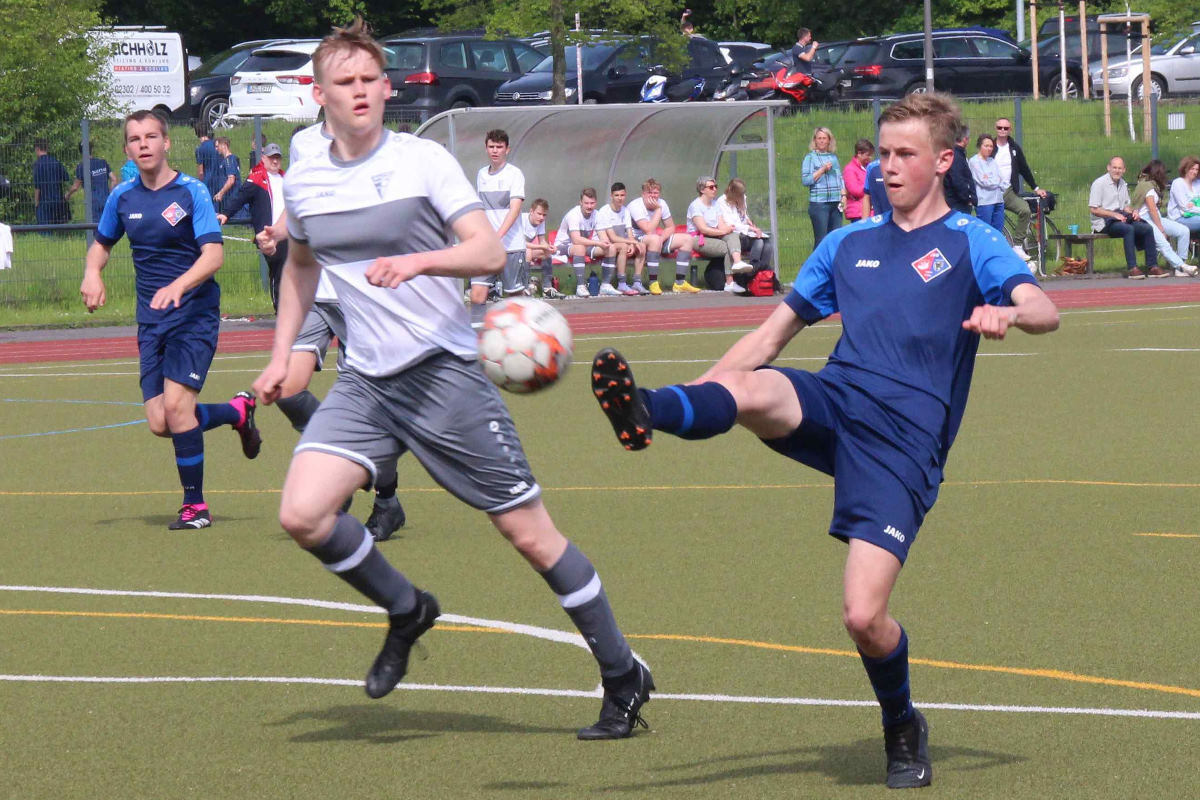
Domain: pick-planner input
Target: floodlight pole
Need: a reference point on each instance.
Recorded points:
(928, 48)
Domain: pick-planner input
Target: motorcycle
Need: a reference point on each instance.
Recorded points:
(662, 87)
(777, 78)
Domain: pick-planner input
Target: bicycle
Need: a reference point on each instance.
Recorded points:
(1041, 230)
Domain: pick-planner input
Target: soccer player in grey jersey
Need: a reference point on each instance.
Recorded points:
(376, 212)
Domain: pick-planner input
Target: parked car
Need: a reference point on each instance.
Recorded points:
(745, 54)
(434, 73)
(275, 81)
(965, 62)
(613, 72)
(208, 93)
(540, 41)
(1175, 71)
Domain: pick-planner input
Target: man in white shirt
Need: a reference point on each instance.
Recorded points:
(650, 214)
(501, 188)
(578, 240)
(376, 213)
(1108, 200)
(1010, 158)
(538, 251)
(616, 225)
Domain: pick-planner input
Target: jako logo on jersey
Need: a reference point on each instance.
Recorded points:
(520, 487)
(867, 262)
(193, 376)
(895, 534)
(932, 264)
(173, 214)
(136, 215)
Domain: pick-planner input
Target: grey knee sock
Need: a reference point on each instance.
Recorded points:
(578, 587)
(299, 408)
(351, 554)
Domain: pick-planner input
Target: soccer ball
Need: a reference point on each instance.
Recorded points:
(525, 344)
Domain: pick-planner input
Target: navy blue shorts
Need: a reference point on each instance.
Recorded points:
(885, 470)
(181, 350)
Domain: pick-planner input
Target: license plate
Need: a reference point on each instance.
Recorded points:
(258, 88)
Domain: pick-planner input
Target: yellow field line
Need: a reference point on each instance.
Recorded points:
(674, 488)
(1171, 535)
(1053, 674)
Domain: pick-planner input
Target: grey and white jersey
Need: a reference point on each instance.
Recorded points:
(574, 220)
(305, 143)
(497, 190)
(608, 218)
(639, 213)
(399, 199)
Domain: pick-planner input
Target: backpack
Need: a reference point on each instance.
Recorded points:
(762, 284)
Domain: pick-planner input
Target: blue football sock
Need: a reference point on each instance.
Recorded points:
(212, 415)
(691, 412)
(189, 459)
(889, 679)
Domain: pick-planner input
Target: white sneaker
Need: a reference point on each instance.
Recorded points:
(608, 290)
(1186, 271)
(582, 291)
(733, 287)
(741, 266)
(1021, 254)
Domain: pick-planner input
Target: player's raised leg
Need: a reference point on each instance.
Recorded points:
(317, 483)
(571, 576)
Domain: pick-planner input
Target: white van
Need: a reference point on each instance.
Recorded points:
(146, 68)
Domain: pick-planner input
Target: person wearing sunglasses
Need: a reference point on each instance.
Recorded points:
(1010, 158)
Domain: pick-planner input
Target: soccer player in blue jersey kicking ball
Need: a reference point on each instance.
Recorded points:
(916, 288)
(177, 248)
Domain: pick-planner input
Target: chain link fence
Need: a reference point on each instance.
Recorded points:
(52, 217)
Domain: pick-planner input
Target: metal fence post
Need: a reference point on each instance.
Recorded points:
(772, 195)
(85, 155)
(1153, 125)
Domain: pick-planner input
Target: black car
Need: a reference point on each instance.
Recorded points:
(965, 62)
(613, 72)
(431, 74)
(208, 84)
(706, 71)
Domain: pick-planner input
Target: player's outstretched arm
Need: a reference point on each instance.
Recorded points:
(760, 346)
(92, 288)
(478, 252)
(297, 288)
(1032, 311)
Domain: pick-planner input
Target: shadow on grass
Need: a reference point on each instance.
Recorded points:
(856, 764)
(387, 725)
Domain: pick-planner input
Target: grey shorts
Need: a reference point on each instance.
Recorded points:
(513, 278)
(446, 412)
(324, 321)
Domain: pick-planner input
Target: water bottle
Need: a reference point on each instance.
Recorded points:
(593, 284)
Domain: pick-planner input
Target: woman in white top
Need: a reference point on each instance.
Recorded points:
(1151, 183)
(989, 186)
(716, 237)
(1183, 206)
(732, 206)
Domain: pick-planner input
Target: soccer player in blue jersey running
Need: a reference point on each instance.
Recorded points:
(916, 288)
(177, 248)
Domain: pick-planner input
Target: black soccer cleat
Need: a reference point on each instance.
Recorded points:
(387, 517)
(617, 394)
(907, 749)
(247, 431)
(623, 701)
(392, 661)
(191, 518)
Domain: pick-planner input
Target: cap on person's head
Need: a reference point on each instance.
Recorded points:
(272, 149)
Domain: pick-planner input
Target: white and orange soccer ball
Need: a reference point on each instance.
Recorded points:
(525, 344)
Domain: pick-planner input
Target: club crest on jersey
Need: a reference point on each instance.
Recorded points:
(381, 182)
(173, 214)
(932, 264)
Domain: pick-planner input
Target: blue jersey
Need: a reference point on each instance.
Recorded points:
(903, 297)
(873, 185)
(166, 228)
(208, 158)
(48, 177)
(100, 172)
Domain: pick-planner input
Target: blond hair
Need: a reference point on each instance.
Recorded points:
(345, 41)
(938, 111)
(832, 141)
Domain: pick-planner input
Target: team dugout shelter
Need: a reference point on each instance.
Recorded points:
(562, 149)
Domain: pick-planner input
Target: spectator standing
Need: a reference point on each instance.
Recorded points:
(104, 180)
(263, 193)
(208, 160)
(1113, 216)
(822, 174)
(732, 207)
(717, 237)
(960, 185)
(49, 175)
(987, 183)
(501, 188)
(1183, 206)
(228, 173)
(858, 201)
(1013, 167)
(876, 190)
(804, 50)
(1146, 197)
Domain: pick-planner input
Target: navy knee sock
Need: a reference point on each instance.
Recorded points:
(889, 679)
(189, 459)
(351, 554)
(212, 415)
(691, 412)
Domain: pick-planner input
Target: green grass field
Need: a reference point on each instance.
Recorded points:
(1056, 572)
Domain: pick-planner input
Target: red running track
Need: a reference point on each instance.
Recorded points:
(588, 323)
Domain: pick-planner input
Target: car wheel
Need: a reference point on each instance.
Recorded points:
(1158, 87)
(213, 112)
(1055, 89)
(915, 88)
(462, 104)
(590, 101)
